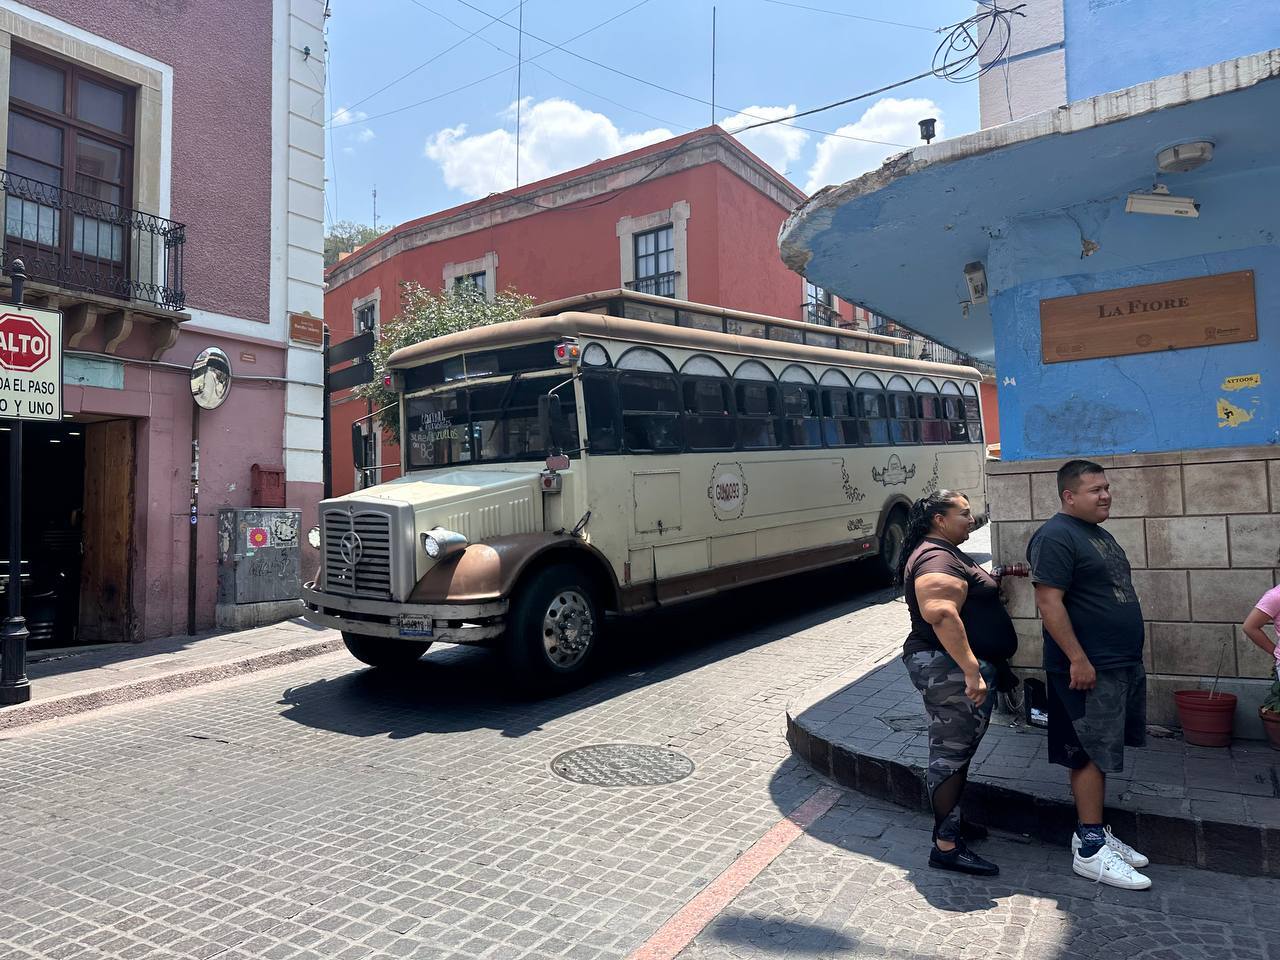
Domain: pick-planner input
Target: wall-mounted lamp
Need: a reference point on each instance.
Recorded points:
(1159, 202)
(975, 275)
(927, 129)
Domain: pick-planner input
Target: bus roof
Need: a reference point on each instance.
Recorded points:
(580, 325)
(607, 301)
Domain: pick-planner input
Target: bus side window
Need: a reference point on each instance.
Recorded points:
(601, 400)
(958, 428)
(840, 423)
(800, 415)
(905, 425)
(650, 412)
(932, 427)
(974, 417)
(873, 424)
(758, 415)
(708, 414)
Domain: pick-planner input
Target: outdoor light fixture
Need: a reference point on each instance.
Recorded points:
(567, 352)
(975, 275)
(441, 544)
(1183, 157)
(1160, 203)
(927, 129)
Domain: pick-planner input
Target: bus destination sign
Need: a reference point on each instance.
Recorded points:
(30, 363)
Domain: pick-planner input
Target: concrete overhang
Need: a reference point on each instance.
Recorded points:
(896, 240)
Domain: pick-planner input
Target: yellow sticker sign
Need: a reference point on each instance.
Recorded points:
(1229, 415)
(1242, 382)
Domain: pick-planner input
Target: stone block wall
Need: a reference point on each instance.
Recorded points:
(1201, 529)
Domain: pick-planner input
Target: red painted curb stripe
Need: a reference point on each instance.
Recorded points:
(687, 922)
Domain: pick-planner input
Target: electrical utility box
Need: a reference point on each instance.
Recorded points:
(259, 566)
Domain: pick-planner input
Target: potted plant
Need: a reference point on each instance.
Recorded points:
(1207, 717)
(1269, 713)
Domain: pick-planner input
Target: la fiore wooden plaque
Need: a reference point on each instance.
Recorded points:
(1201, 312)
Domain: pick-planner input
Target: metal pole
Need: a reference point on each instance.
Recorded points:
(192, 542)
(326, 423)
(14, 685)
(713, 66)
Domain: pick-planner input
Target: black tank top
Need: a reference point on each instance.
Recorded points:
(987, 624)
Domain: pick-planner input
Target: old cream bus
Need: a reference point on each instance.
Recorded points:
(692, 450)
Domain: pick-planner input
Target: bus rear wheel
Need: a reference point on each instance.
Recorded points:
(892, 541)
(553, 630)
(384, 651)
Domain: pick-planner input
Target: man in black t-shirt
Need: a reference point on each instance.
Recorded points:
(1093, 636)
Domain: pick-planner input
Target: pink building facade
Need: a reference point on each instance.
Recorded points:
(166, 195)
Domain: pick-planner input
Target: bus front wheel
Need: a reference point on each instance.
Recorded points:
(553, 629)
(892, 541)
(384, 651)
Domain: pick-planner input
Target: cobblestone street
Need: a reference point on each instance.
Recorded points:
(320, 811)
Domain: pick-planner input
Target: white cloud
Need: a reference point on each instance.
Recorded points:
(556, 135)
(889, 120)
(778, 144)
(342, 116)
(365, 135)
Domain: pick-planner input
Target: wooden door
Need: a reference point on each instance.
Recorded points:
(106, 614)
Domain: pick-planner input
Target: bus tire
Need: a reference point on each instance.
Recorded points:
(553, 630)
(891, 542)
(384, 651)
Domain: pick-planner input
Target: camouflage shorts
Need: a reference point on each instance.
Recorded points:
(956, 726)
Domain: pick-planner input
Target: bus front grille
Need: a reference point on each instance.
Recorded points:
(357, 554)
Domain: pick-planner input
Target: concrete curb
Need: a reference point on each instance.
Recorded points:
(84, 701)
(1249, 849)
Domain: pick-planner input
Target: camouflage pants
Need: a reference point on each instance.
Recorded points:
(956, 726)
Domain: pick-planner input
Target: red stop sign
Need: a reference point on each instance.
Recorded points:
(24, 344)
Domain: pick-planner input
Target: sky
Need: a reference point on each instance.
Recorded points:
(399, 122)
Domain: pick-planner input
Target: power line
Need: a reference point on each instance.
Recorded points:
(852, 16)
(658, 86)
(432, 59)
(419, 103)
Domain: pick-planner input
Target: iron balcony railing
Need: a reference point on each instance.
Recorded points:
(920, 347)
(821, 313)
(80, 242)
(661, 284)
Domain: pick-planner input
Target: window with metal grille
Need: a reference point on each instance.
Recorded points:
(367, 317)
(819, 305)
(478, 281)
(655, 258)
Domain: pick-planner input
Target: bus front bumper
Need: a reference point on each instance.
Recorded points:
(443, 622)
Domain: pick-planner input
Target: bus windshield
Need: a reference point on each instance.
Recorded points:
(489, 422)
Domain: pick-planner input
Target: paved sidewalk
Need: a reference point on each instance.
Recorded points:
(1203, 806)
(73, 680)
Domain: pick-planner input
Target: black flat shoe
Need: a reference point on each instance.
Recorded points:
(971, 832)
(962, 860)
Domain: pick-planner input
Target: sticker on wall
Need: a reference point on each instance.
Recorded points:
(1232, 384)
(284, 529)
(728, 491)
(893, 473)
(1229, 415)
(257, 538)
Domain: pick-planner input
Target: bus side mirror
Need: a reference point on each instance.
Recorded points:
(549, 416)
(357, 447)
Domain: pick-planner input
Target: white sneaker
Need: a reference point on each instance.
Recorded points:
(1129, 855)
(1105, 866)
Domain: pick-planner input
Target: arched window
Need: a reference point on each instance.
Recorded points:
(709, 422)
(594, 355)
(755, 394)
(796, 374)
(642, 358)
(873, 410)
(834, 378)
(801, 410)
(904, 413)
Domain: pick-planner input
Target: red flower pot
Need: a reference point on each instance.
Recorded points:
(1206, 719)
(1271, 724)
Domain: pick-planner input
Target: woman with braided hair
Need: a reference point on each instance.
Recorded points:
(960, 638)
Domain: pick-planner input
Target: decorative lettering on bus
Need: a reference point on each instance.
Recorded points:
(727, 491)
(893, 472)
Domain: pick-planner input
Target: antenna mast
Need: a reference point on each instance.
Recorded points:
(713, 66)
(519, 85)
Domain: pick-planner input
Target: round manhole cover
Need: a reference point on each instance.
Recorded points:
(622, 765)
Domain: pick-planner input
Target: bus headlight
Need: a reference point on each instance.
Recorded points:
(441, 544)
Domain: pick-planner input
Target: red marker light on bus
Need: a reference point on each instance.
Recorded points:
(566, 353)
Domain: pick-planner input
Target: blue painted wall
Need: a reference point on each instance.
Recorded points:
(1145, 402)
(1113, 44)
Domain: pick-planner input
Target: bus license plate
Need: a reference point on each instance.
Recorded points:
(414, 625)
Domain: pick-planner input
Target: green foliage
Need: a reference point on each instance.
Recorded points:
(1272, 703)
(344, 236)
(425, 315)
